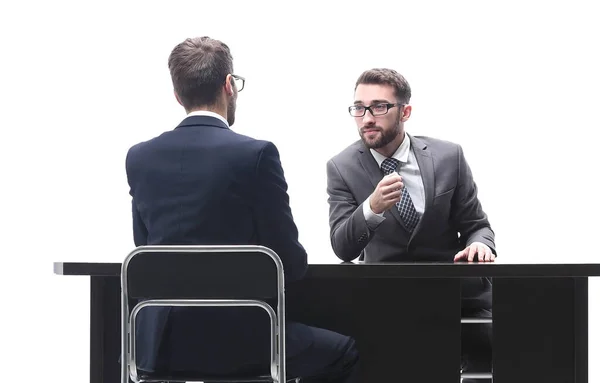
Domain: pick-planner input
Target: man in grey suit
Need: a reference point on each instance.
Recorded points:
(397, 197)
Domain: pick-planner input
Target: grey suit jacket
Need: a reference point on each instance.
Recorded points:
(453, 216)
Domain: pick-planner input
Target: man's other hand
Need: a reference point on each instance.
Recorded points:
(476, 249)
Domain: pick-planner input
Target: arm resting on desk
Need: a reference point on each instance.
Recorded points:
(467, 213)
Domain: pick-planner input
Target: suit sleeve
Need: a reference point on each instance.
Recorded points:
(275, 223)
(466, 213)
(140, 233)
(348, 227)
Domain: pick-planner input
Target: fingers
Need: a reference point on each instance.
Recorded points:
(472, 251)
(392, 197)
(484, 253)
(481, 252)
(469, 253)
(387, 193)
(476, 249)
(392, 191)
(460, 255)
(390, 188)
(389, 180)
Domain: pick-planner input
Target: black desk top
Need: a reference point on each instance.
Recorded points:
(390, 270)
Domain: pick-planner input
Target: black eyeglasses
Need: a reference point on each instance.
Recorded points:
(239, 82)
(376, 110)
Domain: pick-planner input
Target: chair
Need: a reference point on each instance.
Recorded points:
(202, 276)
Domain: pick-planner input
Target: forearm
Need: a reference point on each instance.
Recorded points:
(351, 236)
(467, 213)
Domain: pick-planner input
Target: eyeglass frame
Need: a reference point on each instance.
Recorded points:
(389, 106)
(243, 79)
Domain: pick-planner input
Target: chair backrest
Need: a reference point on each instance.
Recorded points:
(212, 272)
(207, 272)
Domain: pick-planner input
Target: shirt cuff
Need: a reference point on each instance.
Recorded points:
(373, 220)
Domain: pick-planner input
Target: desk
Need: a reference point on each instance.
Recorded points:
(540, 317)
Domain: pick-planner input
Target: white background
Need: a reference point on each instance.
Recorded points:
(514, 82)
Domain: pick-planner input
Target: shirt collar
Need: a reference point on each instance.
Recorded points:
(208, 114)
(401, 154)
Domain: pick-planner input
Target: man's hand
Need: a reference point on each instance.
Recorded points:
(387, 193)
(484, 253)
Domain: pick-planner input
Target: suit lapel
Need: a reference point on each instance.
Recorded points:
(369, 165)
(425, 163)
(375, 175)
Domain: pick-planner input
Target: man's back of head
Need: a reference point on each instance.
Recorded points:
(202, 74)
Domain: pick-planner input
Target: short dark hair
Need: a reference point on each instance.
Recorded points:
(198, 69)
(384, 76)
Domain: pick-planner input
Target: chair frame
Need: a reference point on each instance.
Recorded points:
(277, 319)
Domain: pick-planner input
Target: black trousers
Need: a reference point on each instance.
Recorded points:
(329, 357)
(313, 354)
(476, 344)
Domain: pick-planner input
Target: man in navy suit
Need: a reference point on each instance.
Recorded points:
(202, 183)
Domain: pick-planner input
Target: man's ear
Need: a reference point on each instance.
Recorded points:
(406, 112)
(177, 97)
(229, 90)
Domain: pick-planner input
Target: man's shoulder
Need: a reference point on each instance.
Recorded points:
(251, 146)
(252, 142)
(140, 147)
(146, 146)
(433, 142)
(241, 142)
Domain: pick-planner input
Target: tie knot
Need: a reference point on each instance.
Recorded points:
(389, 165)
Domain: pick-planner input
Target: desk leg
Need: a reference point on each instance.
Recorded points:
(581, 330)
(540, 330)
(105, 330)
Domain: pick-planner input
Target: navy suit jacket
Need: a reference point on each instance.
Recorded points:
(202, 183)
